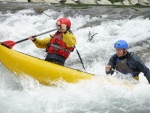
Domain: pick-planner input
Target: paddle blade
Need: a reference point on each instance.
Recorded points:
(8, 43)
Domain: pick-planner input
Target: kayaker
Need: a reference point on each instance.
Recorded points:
(126, 62)
(59, 45)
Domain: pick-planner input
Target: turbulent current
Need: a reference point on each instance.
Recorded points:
(96, 29)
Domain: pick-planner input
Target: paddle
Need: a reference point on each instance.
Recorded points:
(80, 58)
(89, 39)
(10, 43)
(111, 71)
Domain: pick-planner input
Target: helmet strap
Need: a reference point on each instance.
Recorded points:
(68, 28)
(124, 52)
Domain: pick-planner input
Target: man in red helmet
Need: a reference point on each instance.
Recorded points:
(59, 45)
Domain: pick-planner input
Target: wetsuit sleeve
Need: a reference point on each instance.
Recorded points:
(69, 39)
(112, 63)
(142, 67)
(42, 43)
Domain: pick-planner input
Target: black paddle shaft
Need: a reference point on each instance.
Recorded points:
(37, 35)
(80, 58)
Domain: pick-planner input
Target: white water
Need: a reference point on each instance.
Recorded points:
(105, 94)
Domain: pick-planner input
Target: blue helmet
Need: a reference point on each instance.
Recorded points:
(121, 44)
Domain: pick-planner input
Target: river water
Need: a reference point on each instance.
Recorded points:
(104, 94)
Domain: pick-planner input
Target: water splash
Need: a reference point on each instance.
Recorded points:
(103, 94)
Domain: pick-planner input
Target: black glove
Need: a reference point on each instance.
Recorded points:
(110, 71)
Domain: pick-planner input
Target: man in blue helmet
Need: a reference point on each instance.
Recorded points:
(126, 62)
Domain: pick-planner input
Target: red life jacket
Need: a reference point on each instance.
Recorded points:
(58, 46)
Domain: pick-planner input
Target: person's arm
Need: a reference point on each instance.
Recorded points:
(112, 61)
(142, 67)
(69, 39)
(111, 65)
(40, 43)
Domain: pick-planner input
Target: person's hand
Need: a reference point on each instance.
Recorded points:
(107, 68)
(32, 38)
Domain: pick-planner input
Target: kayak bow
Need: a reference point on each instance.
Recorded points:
(43, 71)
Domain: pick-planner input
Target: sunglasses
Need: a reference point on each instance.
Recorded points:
(58, 27)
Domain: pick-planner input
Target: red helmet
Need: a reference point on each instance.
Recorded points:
(65, 21)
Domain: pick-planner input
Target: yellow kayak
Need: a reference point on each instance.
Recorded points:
(43, 71)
